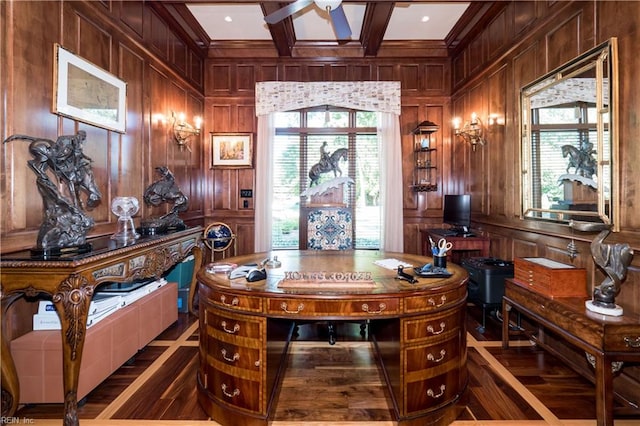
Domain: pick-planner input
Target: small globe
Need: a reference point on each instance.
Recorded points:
(219, 236)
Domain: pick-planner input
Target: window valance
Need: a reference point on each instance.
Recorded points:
(275, 96)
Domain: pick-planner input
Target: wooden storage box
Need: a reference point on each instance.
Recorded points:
(550, 278)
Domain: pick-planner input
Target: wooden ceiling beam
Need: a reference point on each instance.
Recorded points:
(374, 26)
(282, 32)
(183, 21)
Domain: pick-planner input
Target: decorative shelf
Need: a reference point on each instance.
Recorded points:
(424, 157)
(425, 187)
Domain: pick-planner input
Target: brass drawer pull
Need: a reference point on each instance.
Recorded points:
(432, 358)
(236, 391)
(381, 307)
(284, 307)
(236, 356)
(632, 342)
(431, 330)
(234, 302)
(434, 395)
(432, 302)
(236, 328)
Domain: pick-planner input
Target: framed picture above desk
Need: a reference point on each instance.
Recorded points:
(462, 246)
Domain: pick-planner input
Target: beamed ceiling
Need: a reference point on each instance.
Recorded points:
(379, 28)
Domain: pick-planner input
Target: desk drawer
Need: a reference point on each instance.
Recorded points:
(433, 356)
(432, 327)
(234, 328)
(431, 301)
(623, 339)
(360, 308)
(228, 355)
(432, 391)
(230, 300)
(236, 391)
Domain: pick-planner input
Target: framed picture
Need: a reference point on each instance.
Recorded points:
(86, 93)
(232, 150)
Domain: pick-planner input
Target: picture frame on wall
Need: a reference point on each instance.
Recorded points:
(87, 93)
(232, 150)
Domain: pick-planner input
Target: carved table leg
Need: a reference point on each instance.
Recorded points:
(72, 302)
(8, 376)
(193, 287)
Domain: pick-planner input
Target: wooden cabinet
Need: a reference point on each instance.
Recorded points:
(233, 369)
(418, 332)
(551, 278)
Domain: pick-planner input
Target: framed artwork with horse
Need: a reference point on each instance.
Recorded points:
(232, 150)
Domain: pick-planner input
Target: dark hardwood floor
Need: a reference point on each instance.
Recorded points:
(341, 384)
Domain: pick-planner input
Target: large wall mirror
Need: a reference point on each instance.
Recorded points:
(569, 141)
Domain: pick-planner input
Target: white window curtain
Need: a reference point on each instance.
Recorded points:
(381, 97)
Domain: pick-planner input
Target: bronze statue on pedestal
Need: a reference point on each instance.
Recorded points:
(66, 224)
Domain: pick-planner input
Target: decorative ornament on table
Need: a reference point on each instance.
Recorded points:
(614, 260)
(164, 191)
(63, 173)
(125, 208)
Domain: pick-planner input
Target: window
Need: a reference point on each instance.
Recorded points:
(301, 137)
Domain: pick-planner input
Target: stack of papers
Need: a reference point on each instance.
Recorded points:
(392, 263)
(102, 305)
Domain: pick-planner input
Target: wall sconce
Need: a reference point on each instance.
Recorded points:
(495, 121)
(183, 131)
(471, 131)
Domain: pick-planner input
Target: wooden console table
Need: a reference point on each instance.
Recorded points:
(418, 331)
(461, 244)
(70, 280)
(607, 339)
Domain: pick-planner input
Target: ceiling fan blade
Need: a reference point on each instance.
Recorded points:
(340, 24)
(286, 11)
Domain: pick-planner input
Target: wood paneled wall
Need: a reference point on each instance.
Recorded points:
(229, 107)
(524, 42)
(128, 39)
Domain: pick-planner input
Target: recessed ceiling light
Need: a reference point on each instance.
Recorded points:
(425, 18)
(228, 18)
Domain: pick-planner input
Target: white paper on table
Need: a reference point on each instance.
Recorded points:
(392, 263)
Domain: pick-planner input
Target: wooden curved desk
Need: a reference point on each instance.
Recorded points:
(418, 331)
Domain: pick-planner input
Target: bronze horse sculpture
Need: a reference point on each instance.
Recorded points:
(581, 160)
(165, 190)
(330, 163)
(65, 223)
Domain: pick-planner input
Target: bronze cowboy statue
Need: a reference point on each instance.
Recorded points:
(65, 223)
(328, 163)
(165, 190)
(581, 159)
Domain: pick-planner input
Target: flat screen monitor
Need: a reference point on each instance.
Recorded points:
(457, 211)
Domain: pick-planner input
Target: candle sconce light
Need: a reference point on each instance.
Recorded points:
(471, 131)
(183, 131)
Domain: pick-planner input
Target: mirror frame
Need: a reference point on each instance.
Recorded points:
(603, 57)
